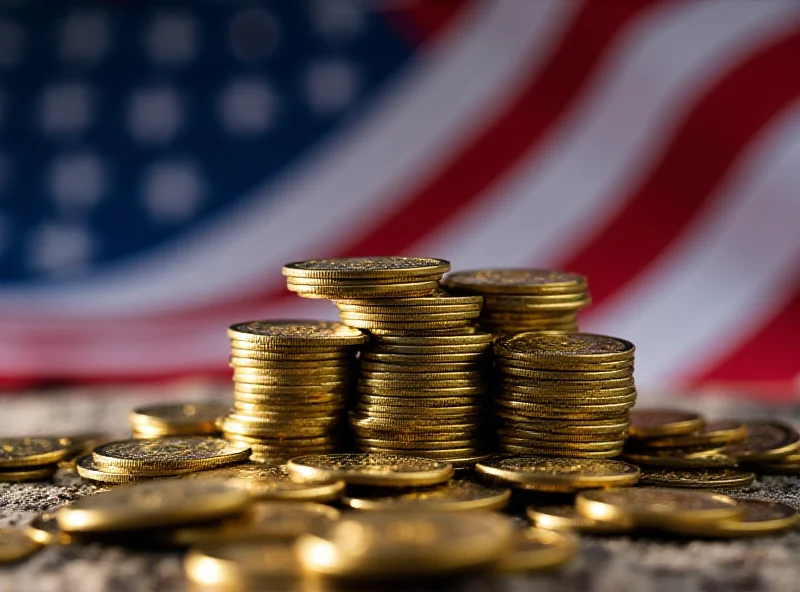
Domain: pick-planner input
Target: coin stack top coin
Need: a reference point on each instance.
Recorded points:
(563, 394)
(518, 300)
(292, 381)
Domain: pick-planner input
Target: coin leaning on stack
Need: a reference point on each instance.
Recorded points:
(563, 394)
(518, 300)
(292, 384)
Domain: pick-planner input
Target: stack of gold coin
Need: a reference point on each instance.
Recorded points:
(425, 396)
(178, 419)
(31, 459)
(518, 300)
(292, 384)
(365, 277)
(563, 394)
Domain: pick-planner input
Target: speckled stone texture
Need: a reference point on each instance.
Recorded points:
(605, 564)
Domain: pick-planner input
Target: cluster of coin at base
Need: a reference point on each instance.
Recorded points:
(292, 385)
(517, 300)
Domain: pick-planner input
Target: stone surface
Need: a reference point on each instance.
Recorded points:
(605, 564)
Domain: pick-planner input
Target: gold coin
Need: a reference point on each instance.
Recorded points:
(366, 291)
(272, 482)
(440, 455)
(534, 444)
(244, 565)
(28, 452)
(457, 495)
(44, 530)
(713, 432)
(786, 465)
(460, 413)
(555, 386)
(558, 474)
(566, 391)
(438, 299)
(417, 425)
(253, 376)
(518, 401)
(27, 474)
(419, 403)
(401, 385)
(529, 433)
(326, 283)
(542, 410)
(565, 375)
(766, 441)
(420, 392)
(271, 399)
(16, 545)
(534, 549)
(581, 347)
(293, 410)
(368, 367)
(413, 317)
(419, 445)
(567, 518)
(387, 470)
(412, 435)
(564, 365)
(290, 333)
(293, 355)
(759, 518)
(657, 507)
(294, 366)
(660, 423)
(453, 342)
(515, 281)
(319, 371)
(697, 478)
(287, 391)
(563, 453)
(522, 304)
(152, 504)
(443, 352)
(262, 520)
(403, 545)
(87, 468)
(200, 417)
(232, 427)
(169, 453)
(427, 332)
(404, 327)
(669, 459)
(404, 360)
(366, 267)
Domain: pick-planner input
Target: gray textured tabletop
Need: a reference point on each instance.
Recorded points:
(607, 564)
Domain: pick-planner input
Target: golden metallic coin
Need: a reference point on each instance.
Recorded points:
(542, 410)
(669, 459)
(169, 453)
(420, 444)
(515, 281)
(409, 425)
(567, 518)
(786, 465)
(288, 391)
(660, 423)
(16, 545)
(564, 365)
(445, 368)
(380, 470)
(397, 385)
(657, 507)
(311, 398)
(441, 352)
(327, 366)
(562, 427)
(363, 433)
(87, 468)
(442, 412)
(476, 340)
(44, 530)
(534, 549)
(440, 455)
(200, 417)
(262, 520)
(293, 355)
(367, 291)
(29, 452)
(27, 474)
(475, 359)
(556, 386)
(420, 403)
(152, 504)
(566, 391)
(565, 375)
(713, 432)
(325, 283)
(697, 478)
(244, 565)
(366, 267)
(396, 545)
(251, 376)
(386, 315)
(438, 299)
(276, 429)
(420, 392)
(533, 444)
(539, 450)
(320, 373)
(457, 495)
(759, 518)
(523, 431)
(766, 441)
(557, 474)
(579, 346)
(304, 334)
(293, 410)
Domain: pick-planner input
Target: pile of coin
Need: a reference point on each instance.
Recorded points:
(32, 459)
(517, 300)
(362, 277)
(293, 381)
(563, 394)
(182, 419)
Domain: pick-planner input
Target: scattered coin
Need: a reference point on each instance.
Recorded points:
(537, 549)
(29, 452)
(243, 565)
(377, 469)
(457, 495)
(28, 473)
(759, 518)
(677, 459)
(169, 453)
(697, 478)
(567, 518)
(766, 441)
(660, 423)
(16, 545)
(712, 433)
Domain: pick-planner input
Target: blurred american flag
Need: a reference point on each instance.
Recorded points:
(160, 161)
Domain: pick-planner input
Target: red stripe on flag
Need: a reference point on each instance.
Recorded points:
(706, 146)
(478, 165)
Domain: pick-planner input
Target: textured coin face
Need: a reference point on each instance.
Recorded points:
(656, 423)
(25, 452)
(15, 545)
(516, 281)
(243, 565)
(558, 474)
(653, 506)
(579, 345)
(297, 333)
(366, 267)
(535, 549)
(567, 518)
(458, 494)
(391, 470)
(766, 441)
(170, 453)
(697, 478)
(408, 544)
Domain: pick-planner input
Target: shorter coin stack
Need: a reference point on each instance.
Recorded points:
(189, 419)
(563, 394)
(517, 300)
(359, 277)
(292, 384)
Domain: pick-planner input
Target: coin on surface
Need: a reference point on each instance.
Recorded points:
(294, 333)
(677, 459)
(44, 530)
(458, 494)
(152, 504)
(15, 545)
(658, 423)
(786, 465)
(515, 281)
(759, 518)
(28, 473)
(537, 549)
(169, 453)
(366, 267)
(697, 478)
(567, 518)
(712, 433)
(200, 417)
(579, 346)
(557, 474)
(405, 545)
(87, 469)
(243, 565)
(27, 452)
(766, 441)
(655, 507)
(375, 469)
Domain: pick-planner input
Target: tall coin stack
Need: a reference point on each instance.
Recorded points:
(516, 300)
(423, 378)
(563, 394)
(292, 384)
